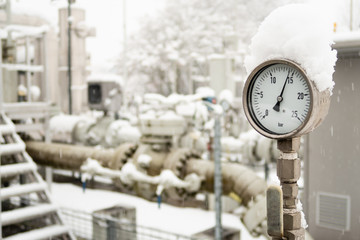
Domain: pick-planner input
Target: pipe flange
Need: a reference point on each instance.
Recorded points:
(121, 156)
(177, 162)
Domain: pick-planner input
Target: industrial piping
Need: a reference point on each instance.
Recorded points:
(236, 179)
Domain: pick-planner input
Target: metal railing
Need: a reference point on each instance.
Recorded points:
(93, 226)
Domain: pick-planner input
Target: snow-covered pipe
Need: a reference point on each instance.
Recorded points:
(252, 146)
(236, 178)
(129, 174)
(72, 157)
(86, 130)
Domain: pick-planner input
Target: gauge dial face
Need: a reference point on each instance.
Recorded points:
(279, 98)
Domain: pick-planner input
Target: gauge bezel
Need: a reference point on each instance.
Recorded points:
(301, 129)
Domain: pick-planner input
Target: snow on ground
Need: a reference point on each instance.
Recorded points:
(185, 221)
(297, 32)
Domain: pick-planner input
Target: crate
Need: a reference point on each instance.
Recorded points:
(118, 222)
(227, 234)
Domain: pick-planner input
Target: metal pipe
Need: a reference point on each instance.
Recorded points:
(351, 15)
(1, 80)
(8, 22)
(28, 73)
(125, 70)
(288, 171)
(217, 176)
(66, 156)
(1, 210)
(45, 85)
(236, 178)
(69, 56)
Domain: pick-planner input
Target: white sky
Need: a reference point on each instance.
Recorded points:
(105, 15)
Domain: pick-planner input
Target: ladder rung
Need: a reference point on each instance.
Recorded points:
(12, 148)
(16, 169)
(6, 129)
(26, 213)
(43, 233)
(20, 190)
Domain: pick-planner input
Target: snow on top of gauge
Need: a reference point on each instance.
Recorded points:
(299, 33)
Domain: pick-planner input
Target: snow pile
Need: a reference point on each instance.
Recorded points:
(168, 179)
(231, 144)
(121, 131)
(22, 90)
(154, 97)
(144, 160)
(297, 32)
(90, 168)
(35, 93)
(62, 126)
(226, 95)
(106, 77)
(186, 110)
(299, 208)
(179, 220)
(149, 115)
(205, 91)
(171, 116)
(20, 31)
(130, 175)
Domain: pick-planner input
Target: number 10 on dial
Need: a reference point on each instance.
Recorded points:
(279, 99)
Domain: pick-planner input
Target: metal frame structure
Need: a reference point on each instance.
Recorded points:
(24, 194)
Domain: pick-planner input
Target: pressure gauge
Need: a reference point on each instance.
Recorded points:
(281, 102)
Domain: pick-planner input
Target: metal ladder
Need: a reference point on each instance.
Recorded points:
(27, 211)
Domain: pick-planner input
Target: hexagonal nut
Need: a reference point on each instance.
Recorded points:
(288, 170)
(290, 190)
(298, 234)
(289, 145)
(292, 221)
(290, 203)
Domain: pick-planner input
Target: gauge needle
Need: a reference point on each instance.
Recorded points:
(280, 98)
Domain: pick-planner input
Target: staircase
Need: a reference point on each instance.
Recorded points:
(27, 212)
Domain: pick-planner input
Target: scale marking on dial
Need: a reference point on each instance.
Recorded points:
(279, 98)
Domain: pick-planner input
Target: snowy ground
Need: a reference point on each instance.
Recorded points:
(185, 221)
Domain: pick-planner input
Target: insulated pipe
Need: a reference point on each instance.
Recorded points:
(236, 178)
(72, 157)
